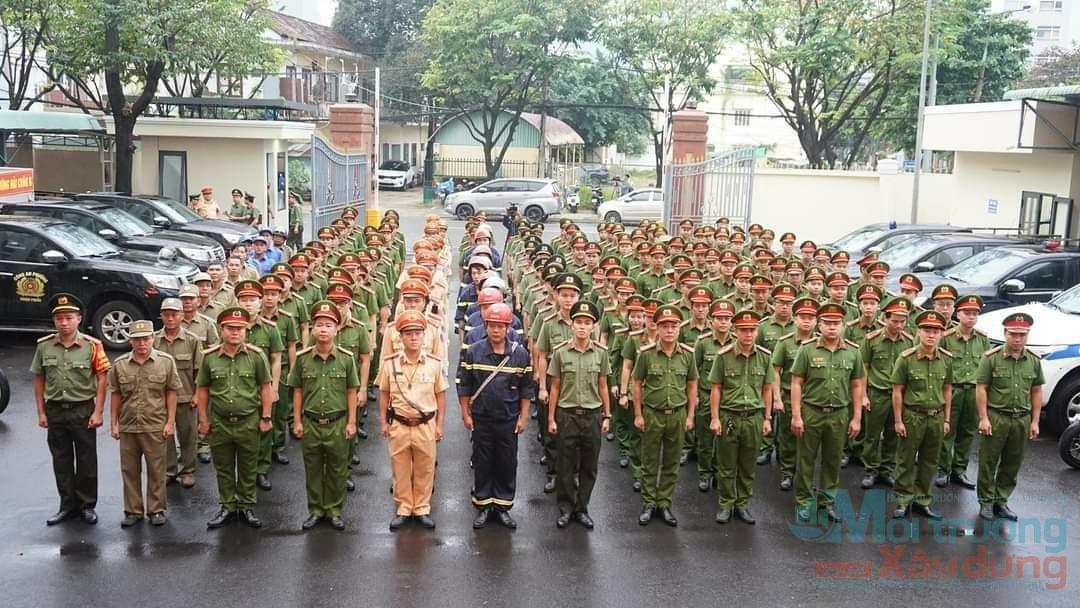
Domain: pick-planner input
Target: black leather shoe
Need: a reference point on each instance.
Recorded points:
(355, 459)
(543, 460)
(785, 484)
(563, 520)
(986, 512)
(1003, 511)
(130, 519)
(310, 522)
(941, 480)
(61, 516)
(481, 519)
(281, 458)
(668, 517)
(703, 484)
(764, 458)
(263, 482)
(337, 523)
(549, 485)
(426, 521)
(962, 480)
(89, 516)
(744, 514)
(646, 516)
(157, 519)
(624, 462)
(831, 513)
(868, 481)
(900, 512)
(637, 485)
(886, 480)
(222, 518)
(350, 485)
(506, 520)
(723, 515)
(844, 460)
(362, 433)
(204, 457)
(610, 436)
(926, 511)
(584, 519)
(683, 459)
(248, 516)
(398, 522)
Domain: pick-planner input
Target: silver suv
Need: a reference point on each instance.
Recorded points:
(535, 198)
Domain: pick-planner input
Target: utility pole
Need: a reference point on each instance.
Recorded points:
(375, 169)
(542, 158)
(922, 115)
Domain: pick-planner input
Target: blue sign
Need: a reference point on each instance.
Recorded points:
(992, 206)
(909, 165)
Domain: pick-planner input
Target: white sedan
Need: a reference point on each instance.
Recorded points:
(396, 174)
(642, 204)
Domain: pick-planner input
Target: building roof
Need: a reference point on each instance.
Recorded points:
(1043, 92)
(556, 132)
(49, 122)
(294, 28)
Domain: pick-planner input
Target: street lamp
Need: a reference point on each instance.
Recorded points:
(977, 95)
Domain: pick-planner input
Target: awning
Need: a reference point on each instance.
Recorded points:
(49, 122)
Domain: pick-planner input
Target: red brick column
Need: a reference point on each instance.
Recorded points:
(689, 129)
(352, 131)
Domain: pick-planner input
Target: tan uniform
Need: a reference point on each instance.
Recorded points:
(186, 350)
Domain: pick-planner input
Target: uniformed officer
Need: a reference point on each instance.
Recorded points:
(412, 410)
(272, 445)
(921, 403)
(143, 384)
(324, 383)
(880, 350)
(194, 321)
(495, 388)
(579, 413)
(1008, 395)
(665, 403)
(805, 312)
(186, 350)
(235, 397)
(826, 387)
(70, 370)
(556, 329)
(769, 332)
(967, 345)
(740, 407)
(720, 315)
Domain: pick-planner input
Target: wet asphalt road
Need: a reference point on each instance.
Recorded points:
(698, 564)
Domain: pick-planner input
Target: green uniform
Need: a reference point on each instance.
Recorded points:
(720, 287)
(964, 416)
(274, 441)
(577, 416)
(629, 348)
(741, 302)
(825, 409)
(551, 332)
(238, 213)
(742, 379)
(770, 330)
(879, 353)
(324, 383)
(783, 357)
(689, 335)
(649, 282)
(186, 350)
(235, 385)
(855, 331)
(1008, 381)
(664, 398)
(668, 294)
(702, 441)
(923, 378)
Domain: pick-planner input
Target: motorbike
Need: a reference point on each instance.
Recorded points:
(597, 197)
(1069, 444)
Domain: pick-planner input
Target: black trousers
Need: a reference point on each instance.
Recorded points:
(74, 454)
(578, 448)
(494, 458)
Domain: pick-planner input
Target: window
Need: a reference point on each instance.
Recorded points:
(78, 219)
(950, 256)
(20, 246)
(1048, 32)
(1045, 276)
(1051, 6)
(640, 196)
(742, 118)
(172, 175)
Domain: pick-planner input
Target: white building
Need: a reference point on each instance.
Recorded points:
(1055, 22)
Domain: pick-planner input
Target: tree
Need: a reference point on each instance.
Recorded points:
(1057, 66)
(23, 28)
(669, 46)
(601, 104)
(830, 67)
(489, 59)
(377, 28)
(133, 44)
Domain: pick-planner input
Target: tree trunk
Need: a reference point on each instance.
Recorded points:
(125, 152)
(658, 152)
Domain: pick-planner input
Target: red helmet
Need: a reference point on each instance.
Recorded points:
(498, 313)
(489, 295)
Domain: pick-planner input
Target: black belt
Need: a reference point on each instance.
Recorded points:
(580, 411)
(1012, 413)
(324, 419)
(411, 421)
(667, 411)
(923, 411)
(741, 413)
(964, 385)
(234, 419)
(828, 409)
(67, 405)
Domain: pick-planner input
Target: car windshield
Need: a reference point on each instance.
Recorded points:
(984, 267)
(124, 222)
(178, 212)
(1068, 301)
(859, 240)
(394, 165)
(78, 241)
(907, 252)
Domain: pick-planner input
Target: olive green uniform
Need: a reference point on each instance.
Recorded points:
(629, 348)
(235, 385)
(742, 380)
(551, 332)
(855, 331)
(825, 410)
(783, 357)
(922, 379)
(770, 330)
(577, 417)
(186, 351)
(622, 418)
(205, 328)
(1008, 383)
(702, 440)
(288, 325)
(880, 353)
(267, 335)
(324, 383)
(664, 398)
(964, 416)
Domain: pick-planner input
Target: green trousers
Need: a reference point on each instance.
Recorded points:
(823, 433)
(282, 414)
(622, 419)
(704, 443)
(786, 444)
(635, 446)
(736, 457)
(1000, 457)
(234, 446)
(578, 444)
(661, 446)
(267, 446)
(326, 466)
(917, 456)
(879, 438)
(963, 426)
(768, 442)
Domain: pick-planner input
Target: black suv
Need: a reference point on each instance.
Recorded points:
(161, 212)
(874, 238)
(40, 257)
(123, 229)
(1010, 275)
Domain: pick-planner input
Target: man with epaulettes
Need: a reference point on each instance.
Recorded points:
(210, 304)
(796, 273)
(654, 277)
(631, 349)
(869, 299)
(787, 246)
(353, 336)
(724, 284)
(769, 332)
(910, 286)
(760, 290)
(194, 321)
(804, 311)
(272, 445)
(740, 296)
(814, 284)
(291, 303)
(836, 285)
(966, 344)
(697, 324)
(702, 440)
(623, 414)
(186, 350)
(943, 298)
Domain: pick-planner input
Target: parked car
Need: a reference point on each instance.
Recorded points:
(939, 251)
(396, 174)
(536, 198)
(872, 237)
(1055, 337)
(123, 229)
(642, 204)
(164, 213)
(40, 257)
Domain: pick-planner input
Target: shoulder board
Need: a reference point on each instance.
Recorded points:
(686, 347)
(850, 303)
(729, 296)
(366, 288)
(551, 317)
(949, 332)
(598, 345)
(636, 332)
(305, 350)
(944, 352)
(1033, 354)
(646, 347)
(726, 349)
(993, 350)
(282, 311)
(207, 351)
(852, 323)
(355, 321)
(763, 349)
(850, 343)
(44, 338)
(190, 334)
(785, 336)
(684, 323)
(874, 334)
(208, 319)
(807, 341)
(611, 308)
(909, 352)
(428, 355)
(252, 348)
(90, 339)
(345, 350)
(266, 321)
(981, 333)
(907, 335)
(125, 357)
(358, 303)
(298, 297)
(560, 345)
(622, 330)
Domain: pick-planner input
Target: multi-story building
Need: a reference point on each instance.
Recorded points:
(1054, 22)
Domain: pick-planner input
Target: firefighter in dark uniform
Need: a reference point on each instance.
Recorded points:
(495, 388)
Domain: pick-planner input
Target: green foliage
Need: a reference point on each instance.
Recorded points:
(1060, 66)
(380, 29)
(300, 175)
(594, 82)
(23, 26)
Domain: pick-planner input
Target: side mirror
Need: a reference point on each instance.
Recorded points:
(161, 221)
(1012, 286)
(924, 267)
(481, 190)
(108, 234)
(53, 256)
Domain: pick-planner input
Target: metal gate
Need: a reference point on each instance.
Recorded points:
(338, 180)
(704, 191)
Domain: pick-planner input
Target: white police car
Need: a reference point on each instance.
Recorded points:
(1055, 336)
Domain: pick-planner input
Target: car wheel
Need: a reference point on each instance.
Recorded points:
(463, 211)
(1064, 406)
(612, 217)
(534, 214)
(5, 392)
(112, 322)
(1069, 446)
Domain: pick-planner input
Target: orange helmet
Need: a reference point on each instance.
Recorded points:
(498, 313)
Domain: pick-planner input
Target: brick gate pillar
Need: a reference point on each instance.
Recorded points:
(684, 195)
(352, 131)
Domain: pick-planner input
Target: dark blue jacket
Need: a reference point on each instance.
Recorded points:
(501, 398)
